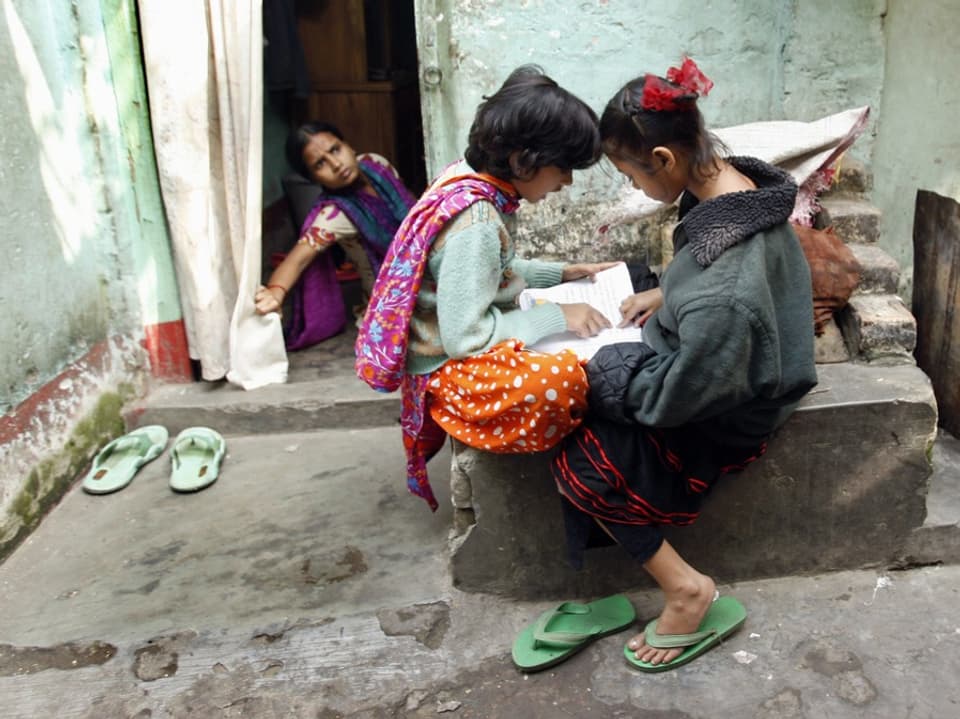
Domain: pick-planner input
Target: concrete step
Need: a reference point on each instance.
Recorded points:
(878, 327)
(855, 220)
(852, 178)
(879, 272)
(830, 347)
(322, 392)
(876, 323)
(937, 541)
(843, 486)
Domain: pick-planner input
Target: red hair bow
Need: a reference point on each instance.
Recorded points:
(660, 95)
(689, 77)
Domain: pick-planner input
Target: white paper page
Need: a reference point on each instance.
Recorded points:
(605, 293)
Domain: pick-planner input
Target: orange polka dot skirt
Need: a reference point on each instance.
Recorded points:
(508, 399)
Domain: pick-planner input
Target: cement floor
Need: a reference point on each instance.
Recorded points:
(307, 583)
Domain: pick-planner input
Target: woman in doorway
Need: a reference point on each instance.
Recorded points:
(362, 204)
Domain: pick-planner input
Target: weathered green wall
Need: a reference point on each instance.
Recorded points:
(83, 229)
(769, 60)
(789, 59)
(84, 237)
(55, 294)
(918, 143)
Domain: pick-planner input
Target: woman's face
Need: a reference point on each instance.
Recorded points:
(661, 184)
(542, 182)
(330, 161)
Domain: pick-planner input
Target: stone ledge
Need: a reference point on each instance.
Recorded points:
(879, 272)
(830, 347)
(938, 540)
(878, 327)
(853, 219)
(843, 486)
(852, 178)
(337, 401)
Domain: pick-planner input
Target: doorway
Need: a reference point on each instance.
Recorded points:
(359, 72)
(361, 58)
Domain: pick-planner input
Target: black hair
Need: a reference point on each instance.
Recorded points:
(540, 121)
(630, 132)
(299, 138)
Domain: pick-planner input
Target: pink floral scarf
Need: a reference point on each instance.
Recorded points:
(381, 347)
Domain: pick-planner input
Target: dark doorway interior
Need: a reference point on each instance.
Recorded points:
(352, 63)
(361, 59)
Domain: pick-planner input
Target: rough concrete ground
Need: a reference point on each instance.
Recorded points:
(307, 583)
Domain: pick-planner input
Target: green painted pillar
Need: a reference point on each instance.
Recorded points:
(140, 218)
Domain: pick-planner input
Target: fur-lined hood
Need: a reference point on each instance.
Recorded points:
(713, 226)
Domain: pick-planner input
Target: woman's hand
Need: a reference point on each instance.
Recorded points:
(584, 320)
(638, 308)
(587, 269)
(269, 299)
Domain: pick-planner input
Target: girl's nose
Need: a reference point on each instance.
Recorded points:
(567, 177)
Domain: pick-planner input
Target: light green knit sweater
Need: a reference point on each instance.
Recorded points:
(467, 300)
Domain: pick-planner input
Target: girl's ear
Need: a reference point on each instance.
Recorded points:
(663, 158)
(516, 169)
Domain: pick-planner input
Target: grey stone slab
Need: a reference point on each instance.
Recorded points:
(853, 219)
(330, 402)
(879, 272)
(843, 645)
(852, 178)
(830, 347)
(938, 540)
(877, 327)
(842, 486)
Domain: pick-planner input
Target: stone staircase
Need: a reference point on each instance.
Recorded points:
(876, 325)
(846, 484)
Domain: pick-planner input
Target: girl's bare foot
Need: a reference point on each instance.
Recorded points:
(687, 597)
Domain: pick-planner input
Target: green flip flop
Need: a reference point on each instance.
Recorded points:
(563, 631)
(725, 616)
(116, 464)
(195, 459)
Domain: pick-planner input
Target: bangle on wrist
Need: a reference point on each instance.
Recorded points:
(278, 287)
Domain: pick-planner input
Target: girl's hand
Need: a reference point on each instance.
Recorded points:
(588, 269)
(638, 308)
(268, 299)
(584, 320)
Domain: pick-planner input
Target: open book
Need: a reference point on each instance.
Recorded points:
(605, 292)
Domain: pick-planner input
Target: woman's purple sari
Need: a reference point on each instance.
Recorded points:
(317, 309)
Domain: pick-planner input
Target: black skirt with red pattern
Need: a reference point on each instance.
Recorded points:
(638, 475)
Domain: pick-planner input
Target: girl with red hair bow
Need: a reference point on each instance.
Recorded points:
(727, 356)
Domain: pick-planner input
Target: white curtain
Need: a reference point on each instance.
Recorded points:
(204, 68)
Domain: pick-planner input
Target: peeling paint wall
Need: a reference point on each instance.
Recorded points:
(769, 60)
(84, 238)
(918, 143)
(55, 289)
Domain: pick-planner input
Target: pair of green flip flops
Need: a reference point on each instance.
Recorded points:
(195, 459)
(559, 633)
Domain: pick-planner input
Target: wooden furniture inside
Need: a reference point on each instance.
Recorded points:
(362, 62)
